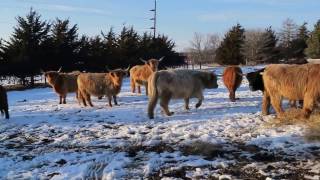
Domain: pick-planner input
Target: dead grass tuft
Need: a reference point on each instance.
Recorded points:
(312, 124)
(206, 149)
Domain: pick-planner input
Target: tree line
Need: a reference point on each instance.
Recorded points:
(293, 44)
(37, 45)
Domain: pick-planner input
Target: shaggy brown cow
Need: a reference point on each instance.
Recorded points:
(63, 83)
(294, 82)
(178, 84)
(100, 84)
(232, 77)
(4, 108)
(139, 74)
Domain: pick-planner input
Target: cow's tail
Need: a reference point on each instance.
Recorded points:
(153, 94)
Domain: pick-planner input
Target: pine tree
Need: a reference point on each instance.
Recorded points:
(65, 44)
(24, 46)
(313, 50)
(298, 45)
(268, 52)
(229, 51)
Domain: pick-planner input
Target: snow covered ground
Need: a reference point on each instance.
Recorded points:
(220, 140)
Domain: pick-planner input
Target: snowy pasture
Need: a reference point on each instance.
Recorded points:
(220, 140)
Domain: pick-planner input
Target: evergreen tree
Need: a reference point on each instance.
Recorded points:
(65, 44)
(111, 48)
(313, 50)
(268, 52)
(23, 47)
(298, 45)
(128, 43)
(229, 51)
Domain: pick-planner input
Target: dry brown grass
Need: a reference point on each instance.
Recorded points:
(312, 132)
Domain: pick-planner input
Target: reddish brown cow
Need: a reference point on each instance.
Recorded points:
(232, 77)
(63, 83)
(139, 74)
(4, 102)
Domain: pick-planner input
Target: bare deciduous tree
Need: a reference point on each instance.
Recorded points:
(202, 48)
(252, 44)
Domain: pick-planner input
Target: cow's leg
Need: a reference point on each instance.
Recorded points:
(88, 98)
(164, 103)
(276, 100)
(60, 99)
(6, 112)
(146, 87)
(293, 103)
(109, 100)
(308, 104)
(64, 99)
(265, 103)
(139, 89)
(115, 100)
(232, 95)
(81, 98)
(200, 99)
(133, 85)
(186, 103)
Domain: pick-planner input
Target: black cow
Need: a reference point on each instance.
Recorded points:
(4, 102)
(255, 80)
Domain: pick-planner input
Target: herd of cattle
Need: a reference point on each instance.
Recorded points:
(276, 81)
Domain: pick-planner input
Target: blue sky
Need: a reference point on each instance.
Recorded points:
(178, 19)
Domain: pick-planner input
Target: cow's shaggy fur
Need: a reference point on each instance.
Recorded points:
(63, 83)
(4, 108)
(100, 84)
(178, 84)
(139, 74)
(232, 77)
(294, 82)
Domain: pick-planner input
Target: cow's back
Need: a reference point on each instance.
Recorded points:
(289, 81)
(232, 77)
(140, 73)
(93, 83)
(70, 81)
(180, 83)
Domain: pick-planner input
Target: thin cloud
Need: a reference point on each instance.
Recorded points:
(65, 8)
(232, 15)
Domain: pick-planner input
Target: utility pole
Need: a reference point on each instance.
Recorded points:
(154, 19)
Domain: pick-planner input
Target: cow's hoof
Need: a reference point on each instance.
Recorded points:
(198, 105)
(170, 113)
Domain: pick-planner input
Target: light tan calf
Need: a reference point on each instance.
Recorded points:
(139, 74)
(178, 84)
(100, 84)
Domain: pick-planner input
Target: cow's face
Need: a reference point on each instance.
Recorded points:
(118, 75)
(255, 80)
(153, 64)
(211, 81)
(51, 76)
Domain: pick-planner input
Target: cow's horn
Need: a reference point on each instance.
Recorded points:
(143, 60)
(241, 74)
(59, 70)
(161, 58)
(127, 68)
(107, 69)
(261, 73)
